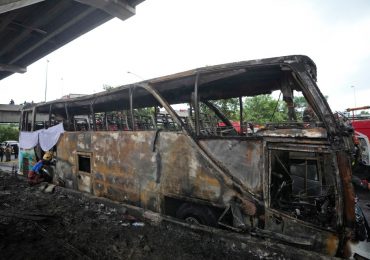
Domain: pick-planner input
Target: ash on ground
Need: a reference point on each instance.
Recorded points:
(36, 224)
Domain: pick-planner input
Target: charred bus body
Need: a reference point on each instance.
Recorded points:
(288, 180)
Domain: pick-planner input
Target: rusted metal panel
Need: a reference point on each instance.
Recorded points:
(348, 193)
(139, 169)
(306, 146)
(185, 172)
(300, 133)
(300, 232)
(84, 142)
(242, 158)
(317, 100)
(125, 167)
(66, 159)
(84, 182)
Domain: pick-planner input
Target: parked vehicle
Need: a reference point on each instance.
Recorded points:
(364, 148)
(289, 181)
(361, 127)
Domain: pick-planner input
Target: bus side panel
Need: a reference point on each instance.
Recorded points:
(135, 168)
(124, 168)
(123, 165)
(300, 232)
(66, 166)
(186, 174)
(243, 158)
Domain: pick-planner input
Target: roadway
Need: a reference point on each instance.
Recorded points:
(9, 166)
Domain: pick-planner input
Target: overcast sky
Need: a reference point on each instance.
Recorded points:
(169, 36)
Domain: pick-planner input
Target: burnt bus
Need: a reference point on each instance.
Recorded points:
(287, 179)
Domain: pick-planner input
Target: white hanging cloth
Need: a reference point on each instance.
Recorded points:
(49, 137)
(46, 137)
(28, 140)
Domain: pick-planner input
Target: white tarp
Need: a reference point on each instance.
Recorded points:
(46, 137)
(49, 137)
(28, 140)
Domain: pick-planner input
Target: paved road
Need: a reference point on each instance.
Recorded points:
(8, 166)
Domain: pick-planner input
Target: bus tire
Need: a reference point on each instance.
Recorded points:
(198, 215)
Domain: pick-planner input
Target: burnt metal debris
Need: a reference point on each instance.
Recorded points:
(290, 181)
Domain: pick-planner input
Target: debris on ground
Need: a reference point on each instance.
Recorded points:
(64, 224)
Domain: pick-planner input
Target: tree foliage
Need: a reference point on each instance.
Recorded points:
(260, 109)
(263, 109)
(107, 87)
(8, 132)
(229, 107)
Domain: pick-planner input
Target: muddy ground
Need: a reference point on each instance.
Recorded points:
(69, 225)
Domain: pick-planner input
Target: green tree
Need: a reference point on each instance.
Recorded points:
(259, 109)
(300, 103)
(9, 132)
(263, 109)
(229, 107)
(107, 87)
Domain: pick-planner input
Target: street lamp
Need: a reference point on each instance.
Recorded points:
(62, 85)
(46, 78)
(129, 72)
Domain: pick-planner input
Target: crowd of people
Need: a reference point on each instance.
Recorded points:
(7, 152)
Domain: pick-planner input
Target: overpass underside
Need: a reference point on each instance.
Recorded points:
(10, 113)
(9, 116)
(31, 29)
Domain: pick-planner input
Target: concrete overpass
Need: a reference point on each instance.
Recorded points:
(10, 113)
(31, 29)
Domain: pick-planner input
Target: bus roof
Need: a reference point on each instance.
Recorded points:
(246, 78)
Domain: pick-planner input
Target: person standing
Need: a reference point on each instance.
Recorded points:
(1, 152)
(8, 152)
(16, 151)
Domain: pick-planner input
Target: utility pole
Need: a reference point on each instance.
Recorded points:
(62, 86)
(46, 78)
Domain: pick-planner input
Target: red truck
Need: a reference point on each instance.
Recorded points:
(361, 126)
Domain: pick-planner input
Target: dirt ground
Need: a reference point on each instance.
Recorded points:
(65, 225)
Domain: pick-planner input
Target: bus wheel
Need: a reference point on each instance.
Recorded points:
(198, 215)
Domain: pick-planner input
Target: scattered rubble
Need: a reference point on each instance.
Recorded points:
(64, 224)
